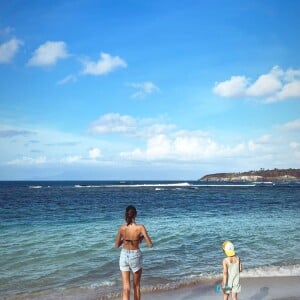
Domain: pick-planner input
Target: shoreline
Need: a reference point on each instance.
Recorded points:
(253, 288)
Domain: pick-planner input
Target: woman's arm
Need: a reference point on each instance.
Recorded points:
(119, 239)
(146, 236)
(241, 266)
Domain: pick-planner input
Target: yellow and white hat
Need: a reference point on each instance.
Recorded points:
(228, 248)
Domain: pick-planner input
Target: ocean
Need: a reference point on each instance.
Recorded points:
(57, 238)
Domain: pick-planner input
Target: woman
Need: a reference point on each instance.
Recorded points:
(130, 235)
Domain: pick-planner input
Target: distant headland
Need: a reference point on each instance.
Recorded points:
(275, 175)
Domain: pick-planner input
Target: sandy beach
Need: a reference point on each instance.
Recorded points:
(262, 288)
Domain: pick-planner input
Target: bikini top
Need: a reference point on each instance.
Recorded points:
(131, 241)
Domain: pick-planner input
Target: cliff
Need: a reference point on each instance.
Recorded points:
(276, 175)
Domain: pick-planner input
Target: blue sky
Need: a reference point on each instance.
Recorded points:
(148, 89)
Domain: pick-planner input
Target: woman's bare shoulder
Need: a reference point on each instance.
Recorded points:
(122, 227)
(140, 226)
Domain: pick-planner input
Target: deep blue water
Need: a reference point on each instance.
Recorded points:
(57, 238)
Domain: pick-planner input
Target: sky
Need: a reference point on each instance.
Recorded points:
(148, 90)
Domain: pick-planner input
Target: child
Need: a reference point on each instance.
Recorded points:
(232, 267)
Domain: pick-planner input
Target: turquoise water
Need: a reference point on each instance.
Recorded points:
(57, 238)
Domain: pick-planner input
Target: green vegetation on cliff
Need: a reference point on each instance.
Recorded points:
(262, 175)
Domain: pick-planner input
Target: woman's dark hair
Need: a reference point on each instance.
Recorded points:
(130, 214)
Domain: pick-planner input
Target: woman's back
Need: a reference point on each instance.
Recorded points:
(132, 235)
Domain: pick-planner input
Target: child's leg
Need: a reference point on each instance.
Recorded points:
(234, 296)
(225, 296)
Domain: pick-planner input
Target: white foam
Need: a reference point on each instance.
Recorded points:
(272, 271)
(35, 186)
(155, 185)
(102, 284)
(158, 186)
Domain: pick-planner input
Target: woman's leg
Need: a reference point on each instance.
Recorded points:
(126, 285)
(137, 284)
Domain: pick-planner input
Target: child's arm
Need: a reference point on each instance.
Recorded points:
(225, 273)
(241, 266)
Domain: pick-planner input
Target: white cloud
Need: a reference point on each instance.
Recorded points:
(151, 143)
(234, 87)
(114, 123)
(51, 147)
(41, 160)
(289, 90)
(198, 147)
(94, 153)
(277, 85)
(292, 126)
(71, 159)
(48, 54)
(157, 128)
(183, 146)
(291, 75)
(67, 79)
(128, 125)
(104, 65)
(12, 132)
(143, 89)
(295, 145)
(25, 160)
(266, 84)
(158, 147)
(9, 49)
(6, 31)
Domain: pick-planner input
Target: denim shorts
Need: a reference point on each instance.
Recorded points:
(131, 260)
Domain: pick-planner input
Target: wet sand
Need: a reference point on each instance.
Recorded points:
(261, 288)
